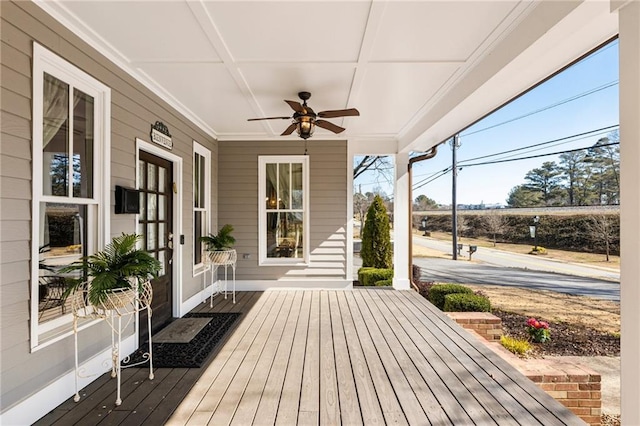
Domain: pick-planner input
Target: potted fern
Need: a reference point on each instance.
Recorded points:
(116, 273)
(218, 246)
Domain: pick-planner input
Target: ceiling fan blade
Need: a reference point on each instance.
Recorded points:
(297, 106)
(351, 112)
(289, 130)
(269, 118)
(329, 126)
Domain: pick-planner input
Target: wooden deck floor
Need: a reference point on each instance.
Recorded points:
(330, 357)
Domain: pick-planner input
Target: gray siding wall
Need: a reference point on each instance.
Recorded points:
(133, 108)
(238, 205)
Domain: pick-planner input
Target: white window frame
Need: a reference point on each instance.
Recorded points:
(199, 268)
(263, 160)
(45, 334)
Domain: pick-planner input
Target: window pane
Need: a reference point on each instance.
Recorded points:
(62, 240)
(283, 196)
(197, 233)
(202, 182)
(296, 186)
(196, 180)
(272, 185)
(55, 135)
(82, 145)
(285, 234)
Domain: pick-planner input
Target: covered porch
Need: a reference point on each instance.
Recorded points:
(329, 357)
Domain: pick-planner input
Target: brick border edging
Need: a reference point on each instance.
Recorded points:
(575, 386)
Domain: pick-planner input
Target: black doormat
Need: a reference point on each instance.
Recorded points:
(192, 354)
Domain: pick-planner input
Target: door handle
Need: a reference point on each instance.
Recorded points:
(170, 247)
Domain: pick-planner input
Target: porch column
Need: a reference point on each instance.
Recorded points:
(401, 224)
(629, 26)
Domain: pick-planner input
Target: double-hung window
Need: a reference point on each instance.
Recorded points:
(283, 206)
(70, 177)
(201, 201)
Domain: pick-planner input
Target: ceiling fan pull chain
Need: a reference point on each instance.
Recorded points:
(305, 147)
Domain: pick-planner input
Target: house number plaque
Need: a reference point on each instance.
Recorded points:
(160, 135)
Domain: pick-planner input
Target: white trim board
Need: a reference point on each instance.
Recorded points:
(46, 399)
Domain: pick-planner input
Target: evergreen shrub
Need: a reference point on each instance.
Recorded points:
(370, 276)
(465, 302)
(438, 292)
(384, 283)
(376, 248)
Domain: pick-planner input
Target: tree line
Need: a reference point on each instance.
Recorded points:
(581, 178)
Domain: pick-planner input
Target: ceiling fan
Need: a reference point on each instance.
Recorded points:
(305, 119)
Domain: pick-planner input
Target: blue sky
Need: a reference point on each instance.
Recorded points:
(491, 183)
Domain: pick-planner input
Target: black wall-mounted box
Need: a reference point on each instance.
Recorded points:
(127, 200)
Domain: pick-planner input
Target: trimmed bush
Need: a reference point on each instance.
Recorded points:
(370, 276)
(376, 248)
(465, 302)
(438, 292)
(384, 283)
(362, 271)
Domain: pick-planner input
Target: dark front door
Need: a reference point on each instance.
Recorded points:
(155, 224)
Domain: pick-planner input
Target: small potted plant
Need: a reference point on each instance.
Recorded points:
(116, 273)
(218, 246)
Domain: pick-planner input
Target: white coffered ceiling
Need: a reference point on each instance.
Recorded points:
(417, 70)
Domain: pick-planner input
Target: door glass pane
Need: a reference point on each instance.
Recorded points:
(152, 183)
(162, 205)
(82, 145)
(55, 134)
(162, 257)
(296, 186)
(151, 237)
(283, 196)
(151, 206)
(162, 178)
(162, 237)
(143, 204)
(140, 242)
(141, 174)
(272, 185)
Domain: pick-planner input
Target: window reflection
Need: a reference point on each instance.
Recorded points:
(62, 241)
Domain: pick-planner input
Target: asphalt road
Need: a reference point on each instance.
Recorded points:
(510, 269)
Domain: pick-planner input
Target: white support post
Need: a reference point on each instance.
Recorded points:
(629, 26)
(401, 224)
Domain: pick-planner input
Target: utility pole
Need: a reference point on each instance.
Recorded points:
(455, 144)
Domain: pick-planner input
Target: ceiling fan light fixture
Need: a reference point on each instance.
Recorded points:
(305, 127)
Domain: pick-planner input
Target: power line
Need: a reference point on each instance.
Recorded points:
(562, 102)
(542, 143)
(442, 173)
(539, 155)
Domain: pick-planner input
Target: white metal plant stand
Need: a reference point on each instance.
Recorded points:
(215, 259)
(121, 303)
